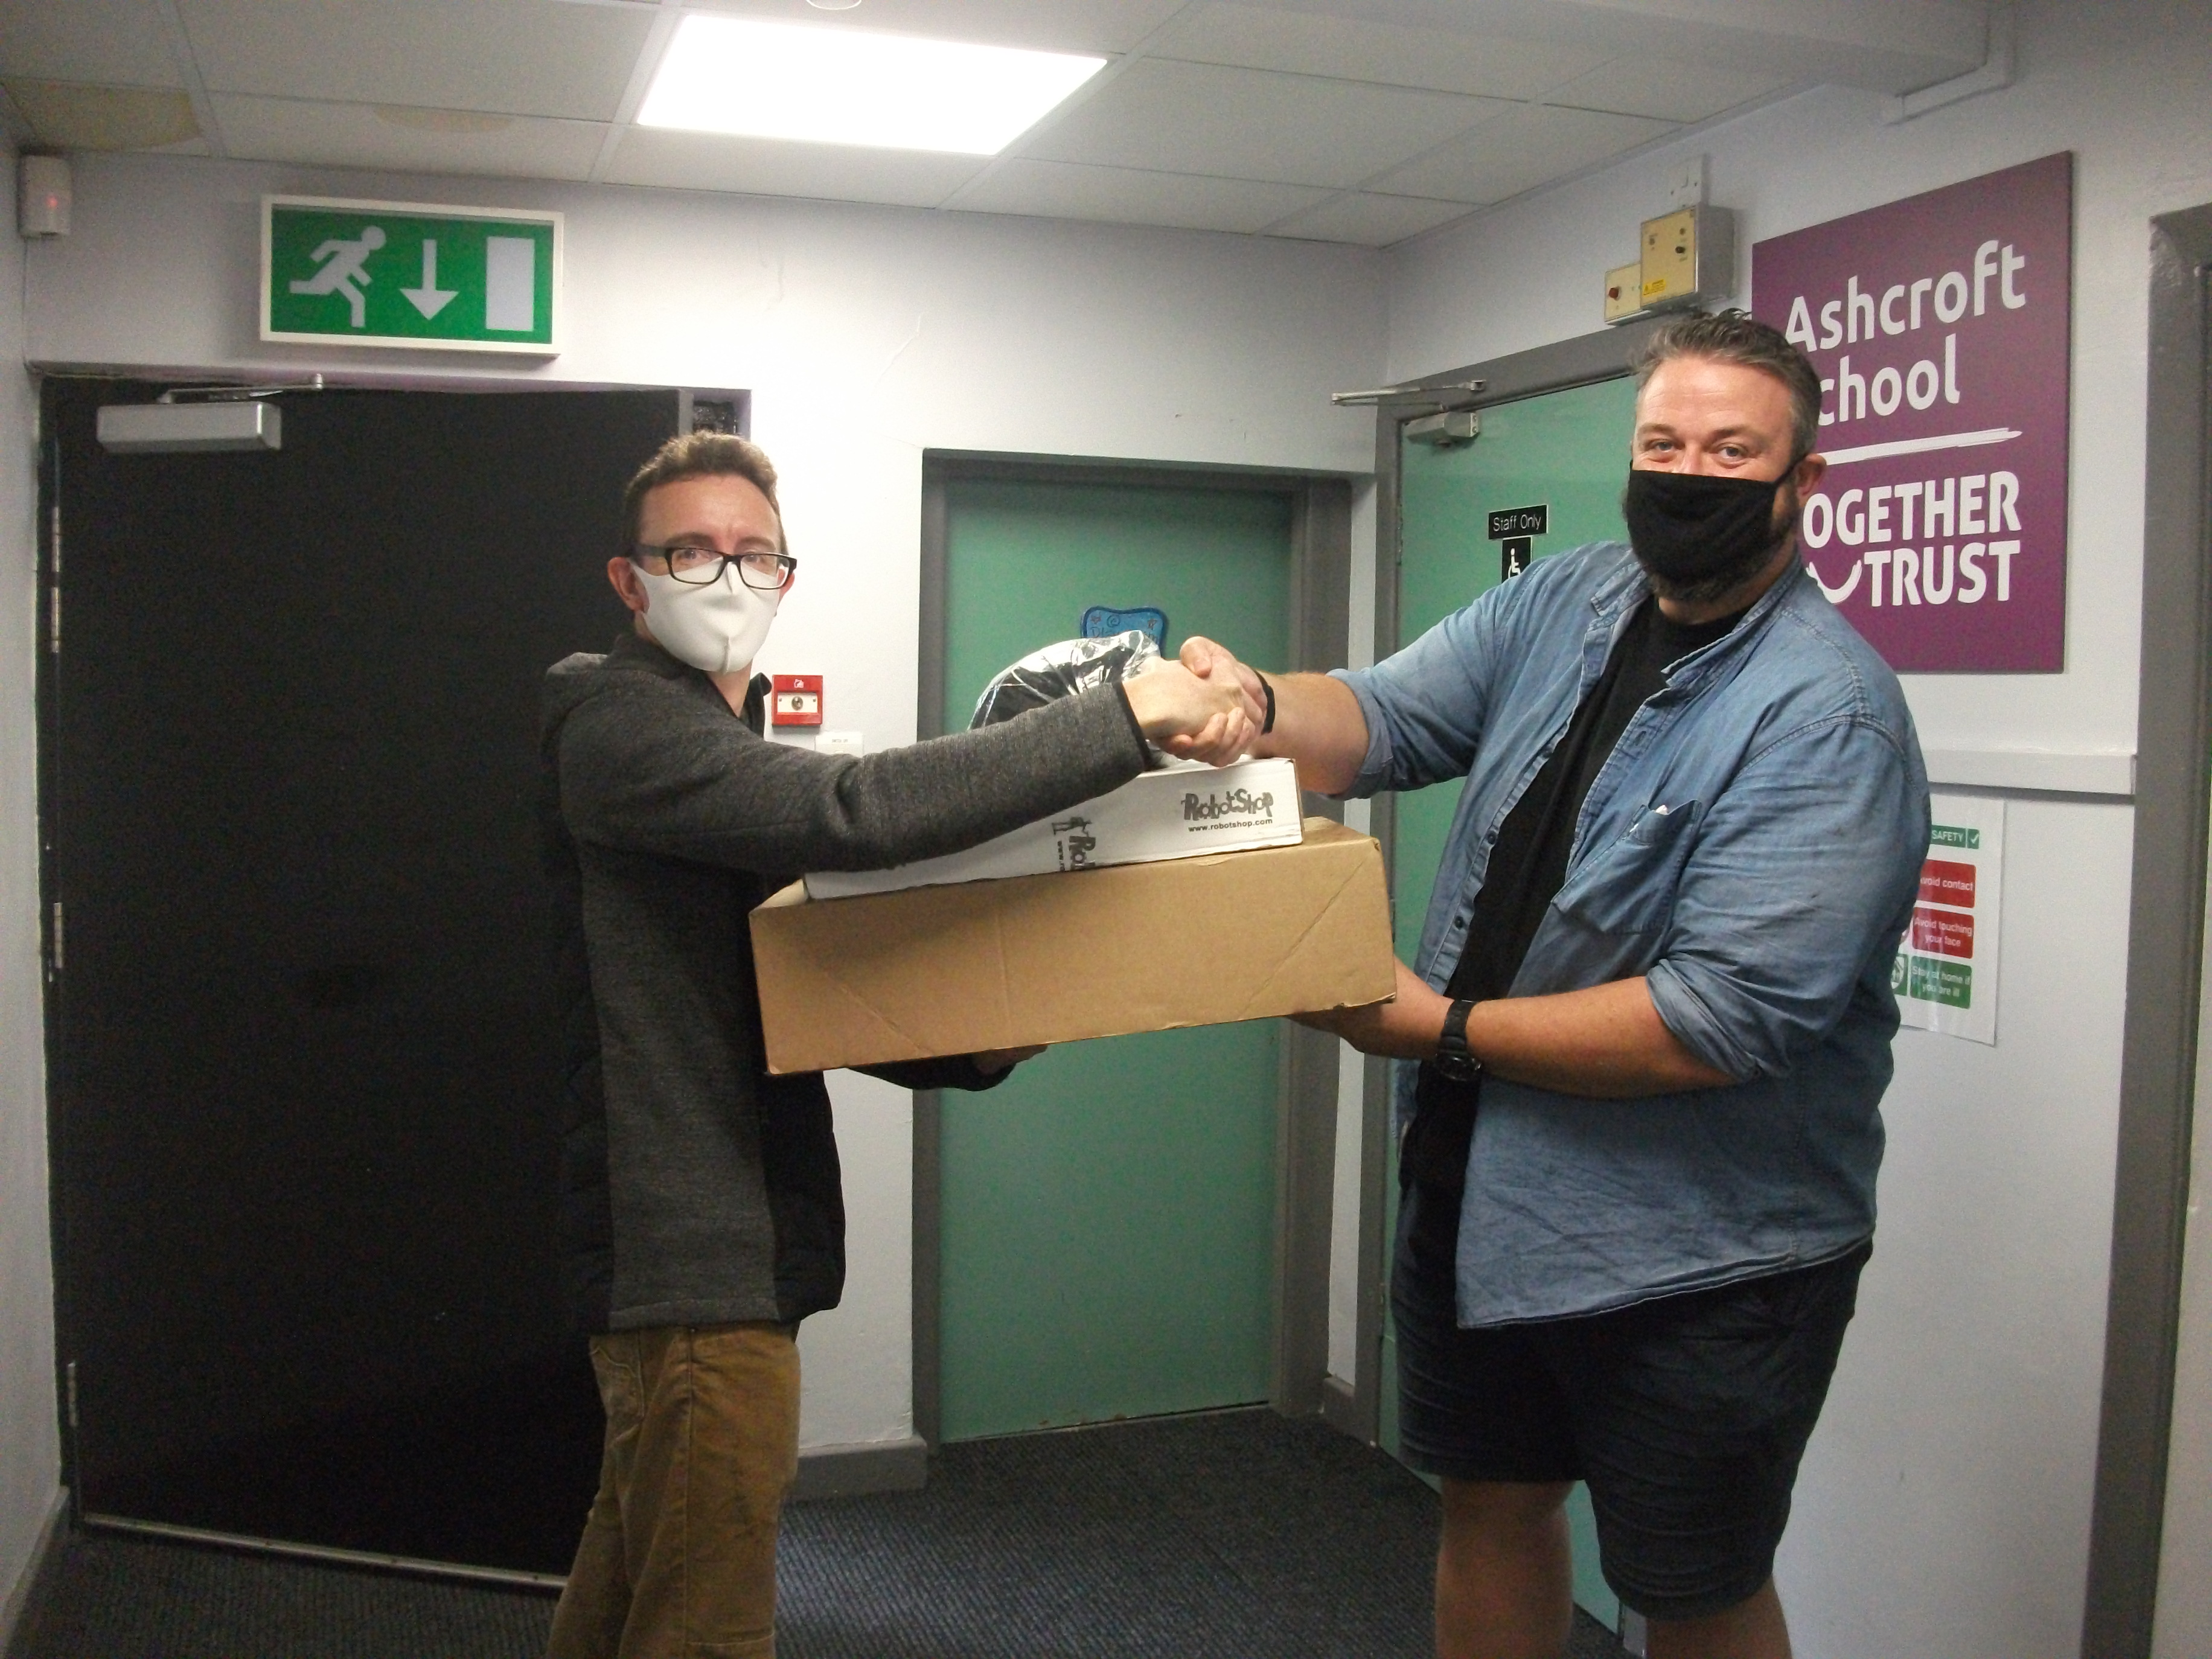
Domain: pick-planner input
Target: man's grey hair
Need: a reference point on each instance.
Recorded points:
(1736, 337)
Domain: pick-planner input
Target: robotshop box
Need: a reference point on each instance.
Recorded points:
(950, 970)
(1179, 811)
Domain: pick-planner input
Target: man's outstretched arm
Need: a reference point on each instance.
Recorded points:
(1318, 722)
(1607, 1041)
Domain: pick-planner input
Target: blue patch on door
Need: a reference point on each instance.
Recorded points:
(1103, 621)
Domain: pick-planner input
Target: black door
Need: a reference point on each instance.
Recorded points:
(304, 1077)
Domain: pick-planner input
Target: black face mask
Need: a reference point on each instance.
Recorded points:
(1698, 536)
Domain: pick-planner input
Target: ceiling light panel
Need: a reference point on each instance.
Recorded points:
(827, 85)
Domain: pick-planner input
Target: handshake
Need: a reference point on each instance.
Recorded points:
(1206, 707)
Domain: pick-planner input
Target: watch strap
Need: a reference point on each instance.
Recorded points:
(1453, 1059)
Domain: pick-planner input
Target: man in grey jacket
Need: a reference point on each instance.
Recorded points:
(703, 1212)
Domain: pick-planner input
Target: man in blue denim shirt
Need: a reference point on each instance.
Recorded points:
(1658, 957)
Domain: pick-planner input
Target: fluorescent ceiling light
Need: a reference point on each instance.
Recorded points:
(829, 85)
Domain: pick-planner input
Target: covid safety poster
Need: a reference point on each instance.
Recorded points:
(1941, 328)
(1946, 974)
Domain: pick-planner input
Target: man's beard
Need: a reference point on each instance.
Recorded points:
(1718, 583)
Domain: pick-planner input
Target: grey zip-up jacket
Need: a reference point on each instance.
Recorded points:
(696, 1188)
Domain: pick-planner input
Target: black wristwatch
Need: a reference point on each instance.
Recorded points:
(1453, 1059)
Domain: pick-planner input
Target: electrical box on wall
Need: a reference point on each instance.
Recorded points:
(1624, 293)
(796, 699)
(1687, 256)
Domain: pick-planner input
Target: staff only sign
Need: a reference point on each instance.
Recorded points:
(1941, 328)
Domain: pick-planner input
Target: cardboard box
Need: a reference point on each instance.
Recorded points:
(1055, 958)
(1181, 812)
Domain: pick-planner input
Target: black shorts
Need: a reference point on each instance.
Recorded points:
(1687, 1415)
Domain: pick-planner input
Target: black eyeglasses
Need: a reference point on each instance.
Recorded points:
(771, 571)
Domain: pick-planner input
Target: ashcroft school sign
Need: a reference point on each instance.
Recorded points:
(1941, 328)
(404, 274)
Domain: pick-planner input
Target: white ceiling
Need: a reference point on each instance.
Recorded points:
(1363, 121)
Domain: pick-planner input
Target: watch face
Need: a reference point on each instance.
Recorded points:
(1459, 1068)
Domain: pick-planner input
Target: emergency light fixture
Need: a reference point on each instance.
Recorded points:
(825, 84)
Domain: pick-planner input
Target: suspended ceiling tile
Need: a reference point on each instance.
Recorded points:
(1066, 190)
(1354, 49)
(1104, 26)
(65, 116)
(1245, 124)
(406, 139)
(1667, 90)
(1370, 219)
(117, 43)
(510, 57)
(770, 166)
(1520, 150)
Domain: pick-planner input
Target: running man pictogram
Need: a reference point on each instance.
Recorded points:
(342, 265)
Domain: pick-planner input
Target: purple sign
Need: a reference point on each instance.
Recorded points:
(1940, 327)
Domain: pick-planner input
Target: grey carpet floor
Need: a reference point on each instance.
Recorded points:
(1233, 1533)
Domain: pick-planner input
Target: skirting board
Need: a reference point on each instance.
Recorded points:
(853, 1471)
(23, 1595)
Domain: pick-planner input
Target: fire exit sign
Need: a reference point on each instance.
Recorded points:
(404, 274)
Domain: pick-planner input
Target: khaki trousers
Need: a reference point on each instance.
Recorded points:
(679, 1557)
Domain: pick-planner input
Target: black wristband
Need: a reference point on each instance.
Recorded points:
(1136, 725)
(1268, 724)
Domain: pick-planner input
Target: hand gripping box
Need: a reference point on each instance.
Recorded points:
(1179, 811)
(933, 970)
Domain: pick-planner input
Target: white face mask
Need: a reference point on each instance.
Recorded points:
(717, 627)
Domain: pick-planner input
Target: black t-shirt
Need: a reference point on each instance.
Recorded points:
(1530, 864)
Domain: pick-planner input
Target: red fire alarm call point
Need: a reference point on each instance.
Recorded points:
(797, 700)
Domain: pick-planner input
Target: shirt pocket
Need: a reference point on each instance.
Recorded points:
(1629, 887)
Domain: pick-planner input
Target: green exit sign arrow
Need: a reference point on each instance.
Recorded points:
(405, 274)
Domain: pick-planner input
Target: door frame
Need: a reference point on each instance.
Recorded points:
(2165, 951)
(1584, 360)
(1306, 1084)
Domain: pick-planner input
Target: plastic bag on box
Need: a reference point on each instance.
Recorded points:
(1062, 670)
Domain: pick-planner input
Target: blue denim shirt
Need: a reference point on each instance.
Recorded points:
(1752, 847)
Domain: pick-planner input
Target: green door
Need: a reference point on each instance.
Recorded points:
(1568, 452)
(1106, 1215)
